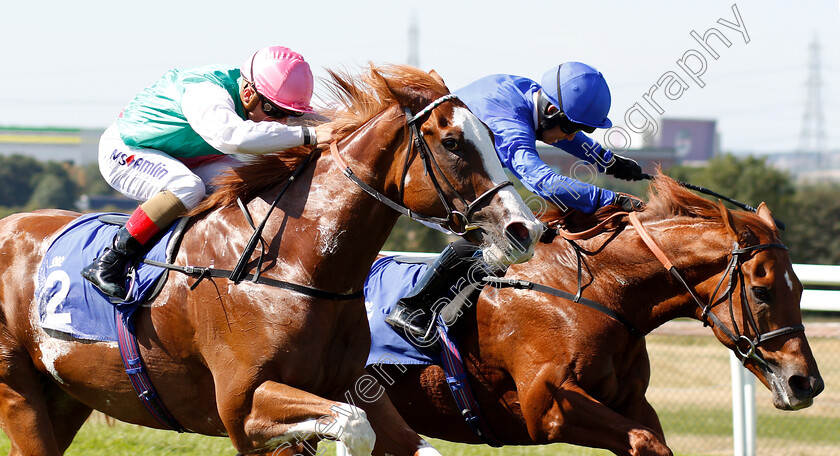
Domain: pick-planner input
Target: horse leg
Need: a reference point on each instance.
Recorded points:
(280, 416)
(570, 415)
(642, 412)
(393, 436)
(24, 415)
(67, 415)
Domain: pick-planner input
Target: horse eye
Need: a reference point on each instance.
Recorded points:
(450, 144)
(762, 294)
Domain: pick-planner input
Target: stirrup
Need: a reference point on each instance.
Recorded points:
(429, 340)
(400, 320)
(132, 287)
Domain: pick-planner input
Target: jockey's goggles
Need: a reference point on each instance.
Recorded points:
(272, 110)
(558, 118)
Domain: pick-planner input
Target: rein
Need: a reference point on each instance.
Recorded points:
(501, 282)
(204, 272)
(571, 236)
(705, 190)
(238, 273)
(735, 274)
(455, 221)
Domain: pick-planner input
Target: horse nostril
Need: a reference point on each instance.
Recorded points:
(800, 384)
(806, 386)
(519, 235)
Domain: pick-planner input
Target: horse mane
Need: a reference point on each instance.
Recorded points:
(667, 199)
(363, 97)
(358, 98)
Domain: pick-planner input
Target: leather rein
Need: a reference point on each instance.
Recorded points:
(456, 221)
(733, 272)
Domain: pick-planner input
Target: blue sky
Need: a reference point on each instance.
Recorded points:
(76, 64)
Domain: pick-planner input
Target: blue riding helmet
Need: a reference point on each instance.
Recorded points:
(584, 95)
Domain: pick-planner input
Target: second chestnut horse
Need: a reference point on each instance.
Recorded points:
(546, 370)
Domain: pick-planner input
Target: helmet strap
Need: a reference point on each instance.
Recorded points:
(546, 122)
(255, 98)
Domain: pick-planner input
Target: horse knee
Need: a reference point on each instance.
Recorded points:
(647, 443)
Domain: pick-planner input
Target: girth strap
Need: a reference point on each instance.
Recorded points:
(202, 273)
(140, 381)
(459, 385)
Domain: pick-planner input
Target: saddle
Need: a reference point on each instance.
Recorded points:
(69, 304)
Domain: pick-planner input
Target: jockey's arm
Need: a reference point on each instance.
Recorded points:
(586, 148)
(562, 191)
(518, 152)
(212, 114)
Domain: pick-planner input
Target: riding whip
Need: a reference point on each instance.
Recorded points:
(700, 189)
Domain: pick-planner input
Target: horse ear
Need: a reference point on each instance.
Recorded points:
(727, 217)
(764, 213)
(438, 78)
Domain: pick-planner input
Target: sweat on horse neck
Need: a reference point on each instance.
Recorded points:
(349, 226)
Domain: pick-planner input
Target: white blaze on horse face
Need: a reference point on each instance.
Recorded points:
(476, 133)
(788, 281)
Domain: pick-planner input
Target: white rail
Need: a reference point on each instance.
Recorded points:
(819, 275)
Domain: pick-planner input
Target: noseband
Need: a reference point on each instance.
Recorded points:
(459, 222)
(735, 274)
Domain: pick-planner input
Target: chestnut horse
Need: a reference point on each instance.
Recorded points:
(269, 366)
(545, 369)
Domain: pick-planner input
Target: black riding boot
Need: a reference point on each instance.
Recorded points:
(413, 313)
(108, 271)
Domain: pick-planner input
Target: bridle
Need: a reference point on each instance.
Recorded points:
(456, 221)
(459, 222)
(735, 274)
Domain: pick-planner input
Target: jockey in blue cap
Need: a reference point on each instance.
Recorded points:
(571, 99)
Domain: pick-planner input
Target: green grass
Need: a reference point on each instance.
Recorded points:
(690, 389)
(100, 439)
(774, 424)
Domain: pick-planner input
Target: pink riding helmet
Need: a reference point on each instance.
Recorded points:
(281, 75)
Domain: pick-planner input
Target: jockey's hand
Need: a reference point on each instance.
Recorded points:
(323, 134)
(625, 168)
(628, 203)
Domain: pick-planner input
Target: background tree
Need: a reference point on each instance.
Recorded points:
(53, 190)
(746, 179)
(813, 233)
(91, 181)
(410, 236)
(16, 179)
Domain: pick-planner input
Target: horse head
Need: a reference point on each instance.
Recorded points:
(763, 311)
(449, 173)
(740, 281)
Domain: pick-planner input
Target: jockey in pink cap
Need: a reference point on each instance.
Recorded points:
(179, 133)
